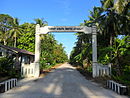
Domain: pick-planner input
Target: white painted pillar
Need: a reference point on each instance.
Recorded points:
(94, 51)
(37, 51)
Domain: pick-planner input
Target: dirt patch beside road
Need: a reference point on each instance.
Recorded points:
(44, 72)
(88, 76)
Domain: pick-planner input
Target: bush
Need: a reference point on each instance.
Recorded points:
(7, 69)
(44, 65)
(5, 66)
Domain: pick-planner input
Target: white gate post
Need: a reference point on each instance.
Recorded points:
(94, 51)
(37, 51)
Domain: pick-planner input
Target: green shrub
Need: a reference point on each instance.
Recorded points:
(6, 65)
(7, 69)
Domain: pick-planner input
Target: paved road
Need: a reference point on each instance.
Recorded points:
(64, 82)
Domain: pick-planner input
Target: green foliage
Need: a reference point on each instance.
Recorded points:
(112, 19)
(118, 55)
(5, 21)
(5, 25)
(41, 22)
(26, 40)
(5, 65)
(15, 31)
(9, 30)
(6, 68)
(125, 78)
(82, 51)
(23, 37)
(104, 55)
(53, 52)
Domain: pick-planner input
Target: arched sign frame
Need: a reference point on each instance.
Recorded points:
(46, 29)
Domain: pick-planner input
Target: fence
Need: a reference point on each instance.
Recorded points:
(27, 70)
(103, 70)
(7, 85)
(119, 88)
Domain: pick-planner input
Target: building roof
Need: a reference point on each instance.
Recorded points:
(16, 50)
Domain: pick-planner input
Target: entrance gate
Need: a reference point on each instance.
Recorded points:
(96, 69)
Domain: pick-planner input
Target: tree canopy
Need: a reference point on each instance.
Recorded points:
(23, 37)
(113, 23)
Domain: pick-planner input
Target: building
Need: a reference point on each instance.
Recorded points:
(23, 60)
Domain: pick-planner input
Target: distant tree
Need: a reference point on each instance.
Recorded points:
(51, 52)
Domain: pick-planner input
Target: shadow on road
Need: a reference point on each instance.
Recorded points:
(63, 82)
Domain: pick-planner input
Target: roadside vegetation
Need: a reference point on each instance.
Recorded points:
(113, 23)
(22, 36)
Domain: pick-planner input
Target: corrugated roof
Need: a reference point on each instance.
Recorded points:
(16, 50)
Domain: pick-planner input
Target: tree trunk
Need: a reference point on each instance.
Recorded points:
(111, 40)
(5, 43)
(15, 42)
(118, 67)
(111, 44)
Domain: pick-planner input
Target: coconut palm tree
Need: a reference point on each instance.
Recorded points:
(109, 25)
(41, 22)
(124, 19)
(121, 15)
(15, 30)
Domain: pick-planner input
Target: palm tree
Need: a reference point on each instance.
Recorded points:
(121, 15)
(41, 21)
(109, 22)
(100, 19)
(5, 25)
(4, 37)
(15, 30)
(124, 18)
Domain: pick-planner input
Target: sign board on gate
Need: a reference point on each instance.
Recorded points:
(46, 29)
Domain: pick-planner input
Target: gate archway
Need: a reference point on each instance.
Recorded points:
(47, 29)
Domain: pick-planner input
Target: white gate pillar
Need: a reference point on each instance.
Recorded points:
(46, 29)
(37, 51)
(94, 51)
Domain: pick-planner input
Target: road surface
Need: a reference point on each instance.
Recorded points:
(64, 82)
